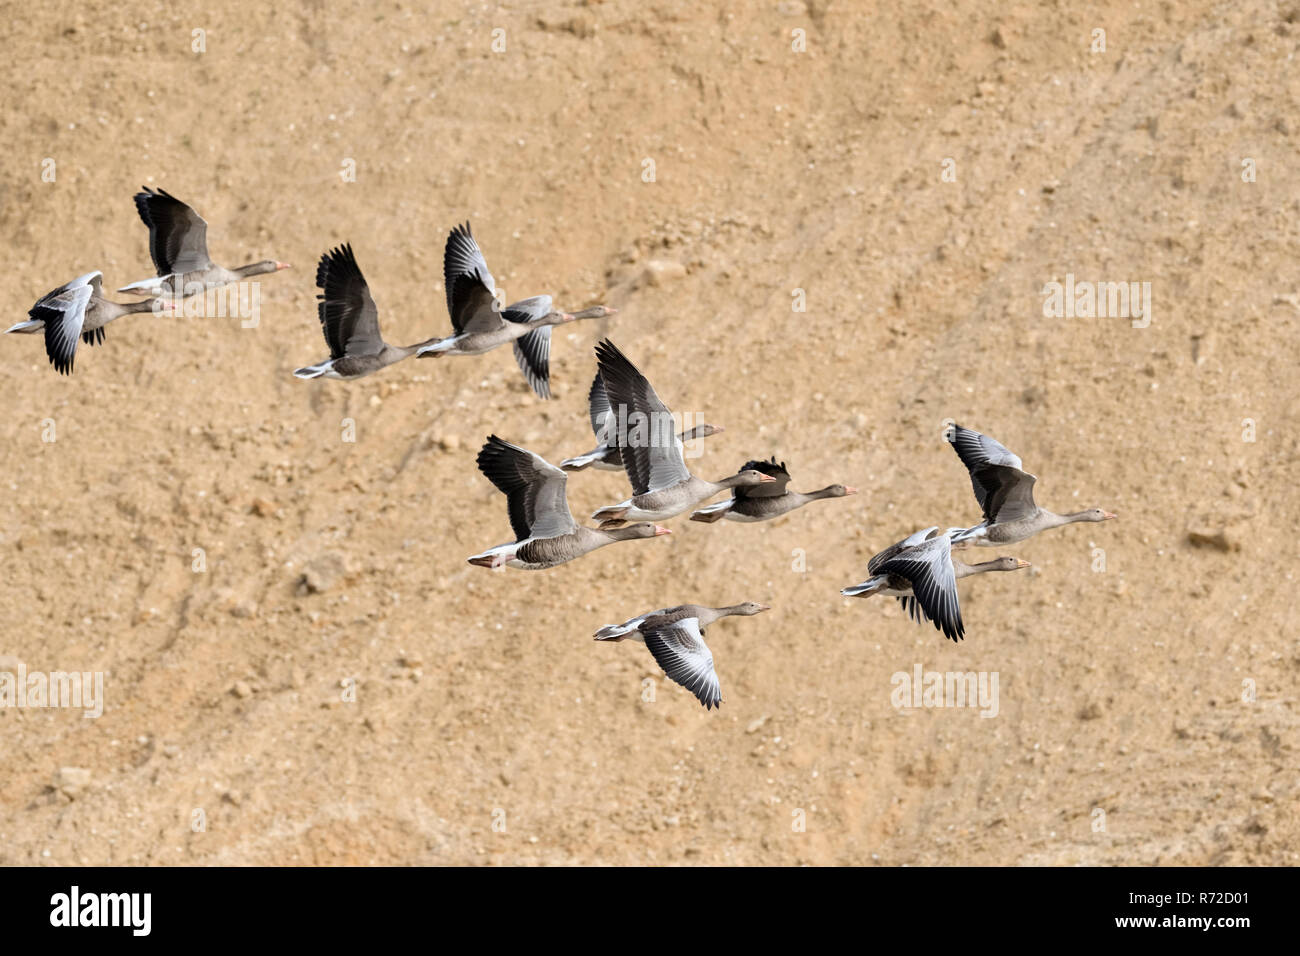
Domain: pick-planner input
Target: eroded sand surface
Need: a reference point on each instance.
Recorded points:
(477, 692)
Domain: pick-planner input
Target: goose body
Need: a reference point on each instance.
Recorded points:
(545, 533)
(632, 629)
(1005, 492)
(349, 320)
(675, 638)
(481, 325)
(76, 312)
(606, 455)
(766, 501)
(922, 574)
(662, 485)
(178, 245)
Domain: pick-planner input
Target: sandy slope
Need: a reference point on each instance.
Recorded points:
(775, 171)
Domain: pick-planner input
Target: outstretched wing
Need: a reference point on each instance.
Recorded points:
(600, 412)
(63, 312)
(469, 284)
(928, 568)
(680, 650)
(1004, 490)
(911, 541)
(178, 236)
(533, 353)
(348, 316)
(652, 452)
(534, 489)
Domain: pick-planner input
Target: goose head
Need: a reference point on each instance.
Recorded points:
(595, 312)
(837, 491)
(1006, 564)
(261, 268)
(746, 479)
(641, 529)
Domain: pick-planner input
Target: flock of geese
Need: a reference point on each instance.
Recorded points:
(635, 433)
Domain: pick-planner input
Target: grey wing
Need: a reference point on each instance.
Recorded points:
(976, 450)
(928, 568)
(533, 353)
(599, 410)
(680, 650)
(534, 489)
(469, 284)
(1011, 494)
(1004, 490)
(911, 541)
(64, 313)
(528, 310)
(178, 236)
(652, 452)
(347, 312)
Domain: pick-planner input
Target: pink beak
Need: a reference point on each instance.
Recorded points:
(850, 491)
(1107, 514)
(660, 529)
(282, 265)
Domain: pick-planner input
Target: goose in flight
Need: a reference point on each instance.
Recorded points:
(921, 572)
(545, 532)
(481, 325)
(178, 245)
(675, 638)
(763, 502)
(1006, 493)
(662, 485)
(78, 311)
(350, 321)
(606, 456)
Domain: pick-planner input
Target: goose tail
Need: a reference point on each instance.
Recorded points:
(866, 588)
(312, 371)
(713, 512)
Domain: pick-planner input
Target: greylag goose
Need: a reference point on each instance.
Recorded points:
(178, 245)
(762, 502)
(606, 456)
(920, 570)
(350, 321)
(75, 311)
(545, 532)
(662, 485)
(675, 637)
(481, 325)
(1006, 493)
